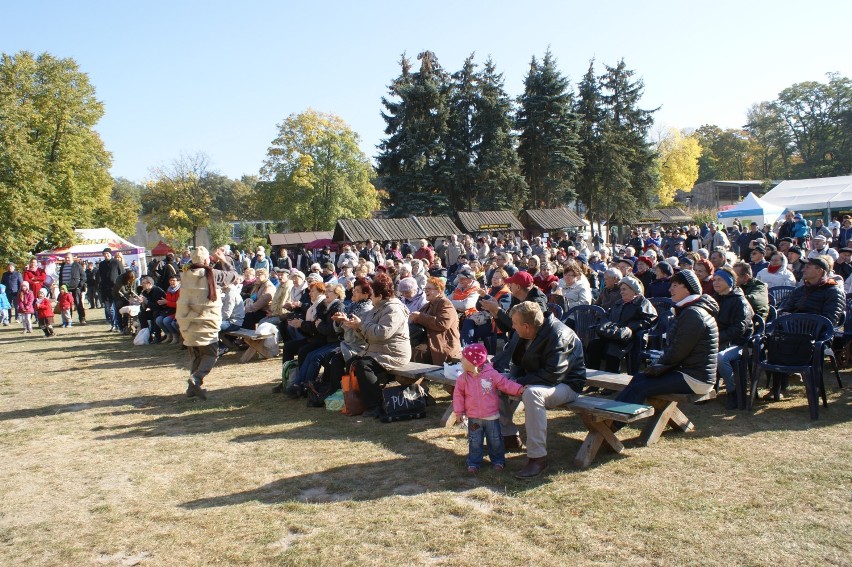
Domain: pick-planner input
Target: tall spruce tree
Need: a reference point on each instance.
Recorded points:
(591, 116)
(499, 182)
(625, 128)
(458, 172)
(411, 156)
(550, 159)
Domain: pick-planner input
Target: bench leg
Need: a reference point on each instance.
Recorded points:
(662, 414)
(599, 431)
(449, 417)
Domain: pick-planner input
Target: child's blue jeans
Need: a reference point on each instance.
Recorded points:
(477, 431)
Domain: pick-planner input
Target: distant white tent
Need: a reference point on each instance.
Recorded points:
(90, 245)
(817, 195)
(751, 209)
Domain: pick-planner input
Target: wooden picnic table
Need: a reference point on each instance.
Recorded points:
(255, 343)
(597, 414)
(667, 407)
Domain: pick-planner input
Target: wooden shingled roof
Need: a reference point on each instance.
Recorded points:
(412, 228)
(296, 238)
(486, 221)
(674, 215)
(436, 226)
(665, 216)
(551, 219)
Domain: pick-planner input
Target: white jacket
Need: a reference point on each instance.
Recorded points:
(782, 277)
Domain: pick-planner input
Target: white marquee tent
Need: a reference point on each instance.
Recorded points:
(90, 245)
(817, 195)
(751, 209)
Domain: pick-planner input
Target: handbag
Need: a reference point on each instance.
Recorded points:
(789, 349)
(612, 332)
(352, 404)
(400, 403)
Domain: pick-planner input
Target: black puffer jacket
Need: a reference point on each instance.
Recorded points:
(734, 318)
(826, 299)
(554, 356)
(757, 294)
(694, 340)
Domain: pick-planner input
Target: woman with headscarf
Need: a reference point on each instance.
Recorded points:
(199, 314)
(776, 273)
(631, 315)
(704, 270)
(411, 295)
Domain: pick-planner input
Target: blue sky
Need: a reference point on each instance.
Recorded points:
(219, 76)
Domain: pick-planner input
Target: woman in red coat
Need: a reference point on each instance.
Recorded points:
(35, 276)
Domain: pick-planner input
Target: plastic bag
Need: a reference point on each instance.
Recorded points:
(335, 401)
(142, 337)
(452, 371)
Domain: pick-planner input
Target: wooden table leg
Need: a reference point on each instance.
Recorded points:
(679, 420)
(663, 412)
(449, 417)
(599, 432)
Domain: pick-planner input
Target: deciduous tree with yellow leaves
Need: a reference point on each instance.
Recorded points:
(315, 174)
(678, 164)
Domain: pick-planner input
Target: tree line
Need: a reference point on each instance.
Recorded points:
(805, 132)
(458, 141)
(452, 141)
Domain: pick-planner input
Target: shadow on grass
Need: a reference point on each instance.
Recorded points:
(422, 466)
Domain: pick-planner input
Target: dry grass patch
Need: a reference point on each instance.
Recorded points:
(107, 463)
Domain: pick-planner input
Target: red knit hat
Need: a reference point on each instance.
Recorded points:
(475, 354)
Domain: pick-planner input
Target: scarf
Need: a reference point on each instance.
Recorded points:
(462, 294)
(211, 280)
(773, 269)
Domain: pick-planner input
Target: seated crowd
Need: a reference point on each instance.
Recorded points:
(372, 308)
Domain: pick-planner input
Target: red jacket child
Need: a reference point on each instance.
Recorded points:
(44, 309)
(66, 301)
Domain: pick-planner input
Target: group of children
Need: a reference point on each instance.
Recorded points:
(39, 305)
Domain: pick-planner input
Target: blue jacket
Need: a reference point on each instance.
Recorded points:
(4, 301)
(12, 281)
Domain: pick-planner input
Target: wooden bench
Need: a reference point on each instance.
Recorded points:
(597, 415)
(255, 343)
(666, 406)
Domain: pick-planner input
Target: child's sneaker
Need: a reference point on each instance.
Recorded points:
(472, 470)
(498, 468)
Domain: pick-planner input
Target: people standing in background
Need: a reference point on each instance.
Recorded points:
(73, 277)
(13, 280)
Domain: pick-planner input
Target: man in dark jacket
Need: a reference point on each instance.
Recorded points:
(688, 365)
(547, 358)
(73, 276)
(819, 294)
(735, 326)
(745, 239)
(755, 291)
(109, 270)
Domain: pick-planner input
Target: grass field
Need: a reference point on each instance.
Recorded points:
(106, 462)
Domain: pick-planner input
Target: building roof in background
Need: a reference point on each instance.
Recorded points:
(551, 219)
(486, 221)
(297, 238)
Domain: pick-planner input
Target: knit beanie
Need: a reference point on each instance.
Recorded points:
(688, 279)
(475, 354)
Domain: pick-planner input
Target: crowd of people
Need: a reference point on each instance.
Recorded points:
(371, 308)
